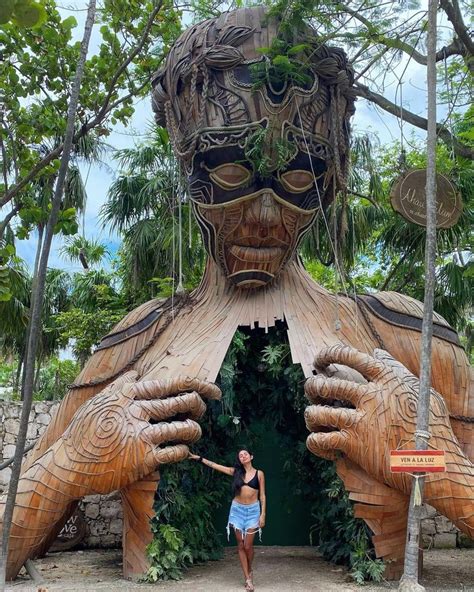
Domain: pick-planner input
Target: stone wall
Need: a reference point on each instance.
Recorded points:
(440, 533)
(102, 513)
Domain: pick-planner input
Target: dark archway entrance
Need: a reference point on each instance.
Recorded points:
(266, 391)
(262, 408)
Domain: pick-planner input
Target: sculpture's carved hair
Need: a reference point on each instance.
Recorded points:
(202, 87)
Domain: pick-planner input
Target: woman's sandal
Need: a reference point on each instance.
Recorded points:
(249, 587)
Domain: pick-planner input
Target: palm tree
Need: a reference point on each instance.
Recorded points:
(57, 298)
(145, 204)
(14, 315)
(343, 233)
(370, 231)
(87, 252)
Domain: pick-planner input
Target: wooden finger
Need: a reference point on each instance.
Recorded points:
(317, 416)
(397, 367)
(175, 431)
(319, 387)
(325, 444)
(160, 389)
(189, 404)
(171, 454)
(369, 367)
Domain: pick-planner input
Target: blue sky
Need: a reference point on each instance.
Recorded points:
(368, 118)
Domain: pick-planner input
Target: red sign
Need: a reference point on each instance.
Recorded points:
(417, 461)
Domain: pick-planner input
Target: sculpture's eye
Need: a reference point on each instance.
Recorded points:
(297, 181)
(230, 176)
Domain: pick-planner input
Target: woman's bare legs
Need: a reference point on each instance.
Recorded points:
(242, 553)
(249, 550)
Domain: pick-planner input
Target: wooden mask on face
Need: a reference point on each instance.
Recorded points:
(263, 149)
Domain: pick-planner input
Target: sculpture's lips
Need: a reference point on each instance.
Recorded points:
(258, 243)
(256, 254)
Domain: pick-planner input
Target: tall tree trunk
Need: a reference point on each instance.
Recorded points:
(409, 581)
(33, 290)
(39, 361)
(16, 381)
(39, 293)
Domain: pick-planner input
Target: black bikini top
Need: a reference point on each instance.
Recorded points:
(253, 483)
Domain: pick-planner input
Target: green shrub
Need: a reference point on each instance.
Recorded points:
(54, 378)
(168, 553)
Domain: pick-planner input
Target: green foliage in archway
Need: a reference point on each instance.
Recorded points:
(261, 388)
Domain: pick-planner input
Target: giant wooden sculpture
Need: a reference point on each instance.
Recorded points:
(262, 158)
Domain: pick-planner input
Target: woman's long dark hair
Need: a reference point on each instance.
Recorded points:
(239, 473)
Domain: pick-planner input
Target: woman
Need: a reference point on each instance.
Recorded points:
(247, 513)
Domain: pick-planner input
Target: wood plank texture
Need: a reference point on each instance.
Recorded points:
(137, 504)
(160, 357)
(195, 342)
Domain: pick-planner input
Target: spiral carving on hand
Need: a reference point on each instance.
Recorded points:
(108, 419)
(406, 407)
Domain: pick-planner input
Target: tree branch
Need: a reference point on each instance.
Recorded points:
(453, 12)
(454, 48)
(374, 60)
(39, 166)
(4, 163)
(126, 62)
(95, 121)
(392, 272)
(6, 220)
(367, 197)
(459, 148)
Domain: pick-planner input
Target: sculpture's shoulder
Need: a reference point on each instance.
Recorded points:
(405, 312)
(135, 322)
(123, 345)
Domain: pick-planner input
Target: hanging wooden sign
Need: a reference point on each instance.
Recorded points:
(408, 198)
(417, 461)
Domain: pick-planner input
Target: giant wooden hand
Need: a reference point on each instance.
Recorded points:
(109, 444)
(382, 417)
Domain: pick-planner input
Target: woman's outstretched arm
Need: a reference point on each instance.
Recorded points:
(213, 465)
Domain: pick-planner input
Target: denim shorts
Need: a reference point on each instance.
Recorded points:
(244, 517)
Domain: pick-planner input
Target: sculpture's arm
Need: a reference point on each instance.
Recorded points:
(111, 359)
(109, 444)
(380, 416)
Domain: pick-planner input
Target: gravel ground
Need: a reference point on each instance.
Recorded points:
(277, 569)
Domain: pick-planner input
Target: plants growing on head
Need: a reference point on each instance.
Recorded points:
(267, 155)
(285, 64)
(288, 58)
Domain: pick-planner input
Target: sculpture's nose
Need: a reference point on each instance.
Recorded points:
(263, 210)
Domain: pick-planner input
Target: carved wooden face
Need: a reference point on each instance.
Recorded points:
(258, 147)
(253, 237)
(252, 222)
